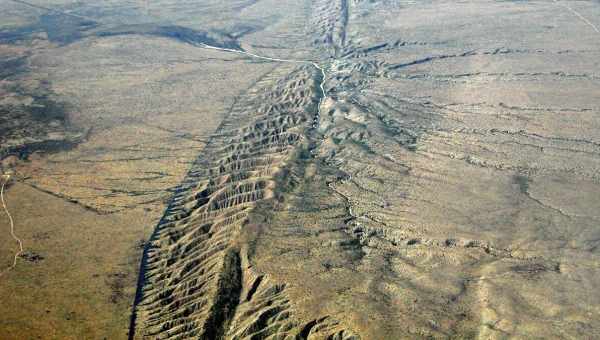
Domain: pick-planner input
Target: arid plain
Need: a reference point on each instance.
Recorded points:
(261, 169)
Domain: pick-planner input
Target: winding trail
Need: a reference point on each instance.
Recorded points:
(12, 227)
(52, 10)
(296, 61)
(579, 15)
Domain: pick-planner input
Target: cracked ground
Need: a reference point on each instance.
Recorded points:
(262, 169)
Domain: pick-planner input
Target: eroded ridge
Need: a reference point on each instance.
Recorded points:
(196, 276)
(329, 21)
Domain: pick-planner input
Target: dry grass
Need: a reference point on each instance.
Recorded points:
(448, 189)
